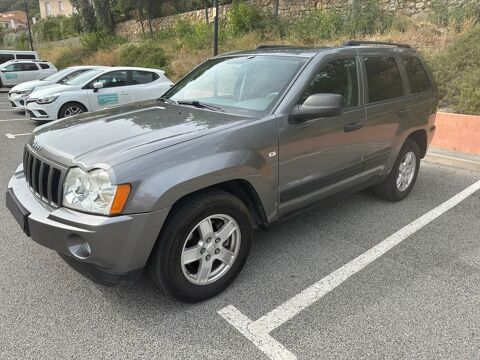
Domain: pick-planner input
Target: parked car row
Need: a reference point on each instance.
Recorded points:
(80, 89)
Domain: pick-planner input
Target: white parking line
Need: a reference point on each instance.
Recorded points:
(19, 119)
(259, 331)
(14, 136)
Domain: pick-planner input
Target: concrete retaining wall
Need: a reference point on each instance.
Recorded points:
(457, 132)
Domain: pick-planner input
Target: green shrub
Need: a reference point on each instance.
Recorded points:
(92, 42)
(71, 56)
(443, 13)
(315, 25)
(243, 18)
(196, 35)
(367, 17)
(457, 71)
(56, 28)
(144, 54)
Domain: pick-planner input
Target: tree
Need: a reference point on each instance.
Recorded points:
(105, 17)
(86, 11)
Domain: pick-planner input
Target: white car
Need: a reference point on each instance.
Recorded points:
(95, 90)
(19, 93)
(15, 72)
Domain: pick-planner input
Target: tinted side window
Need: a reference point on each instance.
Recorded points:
(143, 77)
(336, 77)
(113, 79)
(417, 77)
(384, 79)
(25, 56)
(6, 57)
(44, 66)
(29, 67)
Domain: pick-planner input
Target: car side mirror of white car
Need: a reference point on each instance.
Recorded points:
(97, 85)
(3, 70)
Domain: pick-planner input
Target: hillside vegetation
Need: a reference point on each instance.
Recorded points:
(448, 37)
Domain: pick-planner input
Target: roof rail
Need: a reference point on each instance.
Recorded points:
(272, 46)
(32, 60)
(385, 43)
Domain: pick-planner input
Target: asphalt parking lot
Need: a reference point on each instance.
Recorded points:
(419, 300)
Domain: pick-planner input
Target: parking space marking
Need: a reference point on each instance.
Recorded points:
(259, 331)
(14, 136)
(19, 119)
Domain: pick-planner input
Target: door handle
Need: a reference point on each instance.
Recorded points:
(353, 126)
(123, 93)
(403, 112)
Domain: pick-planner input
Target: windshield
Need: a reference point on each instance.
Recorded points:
(85, 77)
(246, 84)
(58, 75)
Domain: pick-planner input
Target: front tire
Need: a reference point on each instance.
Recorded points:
(401, 179)
(202, 246)
(70, 109)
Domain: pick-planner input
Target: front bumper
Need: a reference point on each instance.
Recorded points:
(17, 102)
(105, 249)
(47, 112)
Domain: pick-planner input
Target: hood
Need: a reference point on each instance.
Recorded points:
(50, 89)
(113, 136)
(30, 85)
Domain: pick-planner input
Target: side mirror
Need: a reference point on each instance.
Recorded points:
(317, 106)
(3, 70)
(97, 85)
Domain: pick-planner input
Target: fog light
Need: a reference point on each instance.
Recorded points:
(78, 247)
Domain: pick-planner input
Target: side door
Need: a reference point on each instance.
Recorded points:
(31, 71)
(321, 156)
(387, 110)
(142, 86)
(115, 91)
(12, 74)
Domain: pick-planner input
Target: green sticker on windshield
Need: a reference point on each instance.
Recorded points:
(107, 99)
(11, 76)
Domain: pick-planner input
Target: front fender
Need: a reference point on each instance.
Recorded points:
(161, 178)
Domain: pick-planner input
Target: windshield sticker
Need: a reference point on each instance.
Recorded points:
(107, 99)
(11, 76)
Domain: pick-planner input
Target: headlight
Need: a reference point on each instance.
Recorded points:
(93, 192)
(48, 99)
(25, 92)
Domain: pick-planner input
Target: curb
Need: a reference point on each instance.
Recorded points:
(456, 162)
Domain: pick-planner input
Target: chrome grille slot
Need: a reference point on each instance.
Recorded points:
(44, 178)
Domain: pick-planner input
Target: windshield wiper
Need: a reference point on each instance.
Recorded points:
(200, 105)
(167, 100)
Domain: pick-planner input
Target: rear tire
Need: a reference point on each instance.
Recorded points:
(71, 109)
(401, 179)
(202, 247)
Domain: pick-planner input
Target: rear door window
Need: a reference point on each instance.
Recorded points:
(29, 67)
(25, 56)
(417, 76)
(384, 78)
(6, 57)
(143, 77)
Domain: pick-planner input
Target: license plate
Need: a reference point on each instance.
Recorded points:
(18, 211)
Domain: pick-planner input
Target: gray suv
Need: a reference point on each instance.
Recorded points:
(177, 185)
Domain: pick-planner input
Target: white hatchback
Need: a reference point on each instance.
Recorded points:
(15, 72)
(95, 90)
(19, 93)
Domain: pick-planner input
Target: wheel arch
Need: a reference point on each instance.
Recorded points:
(420, 137)
(244, 191)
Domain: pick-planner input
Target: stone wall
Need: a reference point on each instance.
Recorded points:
(287, 9)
